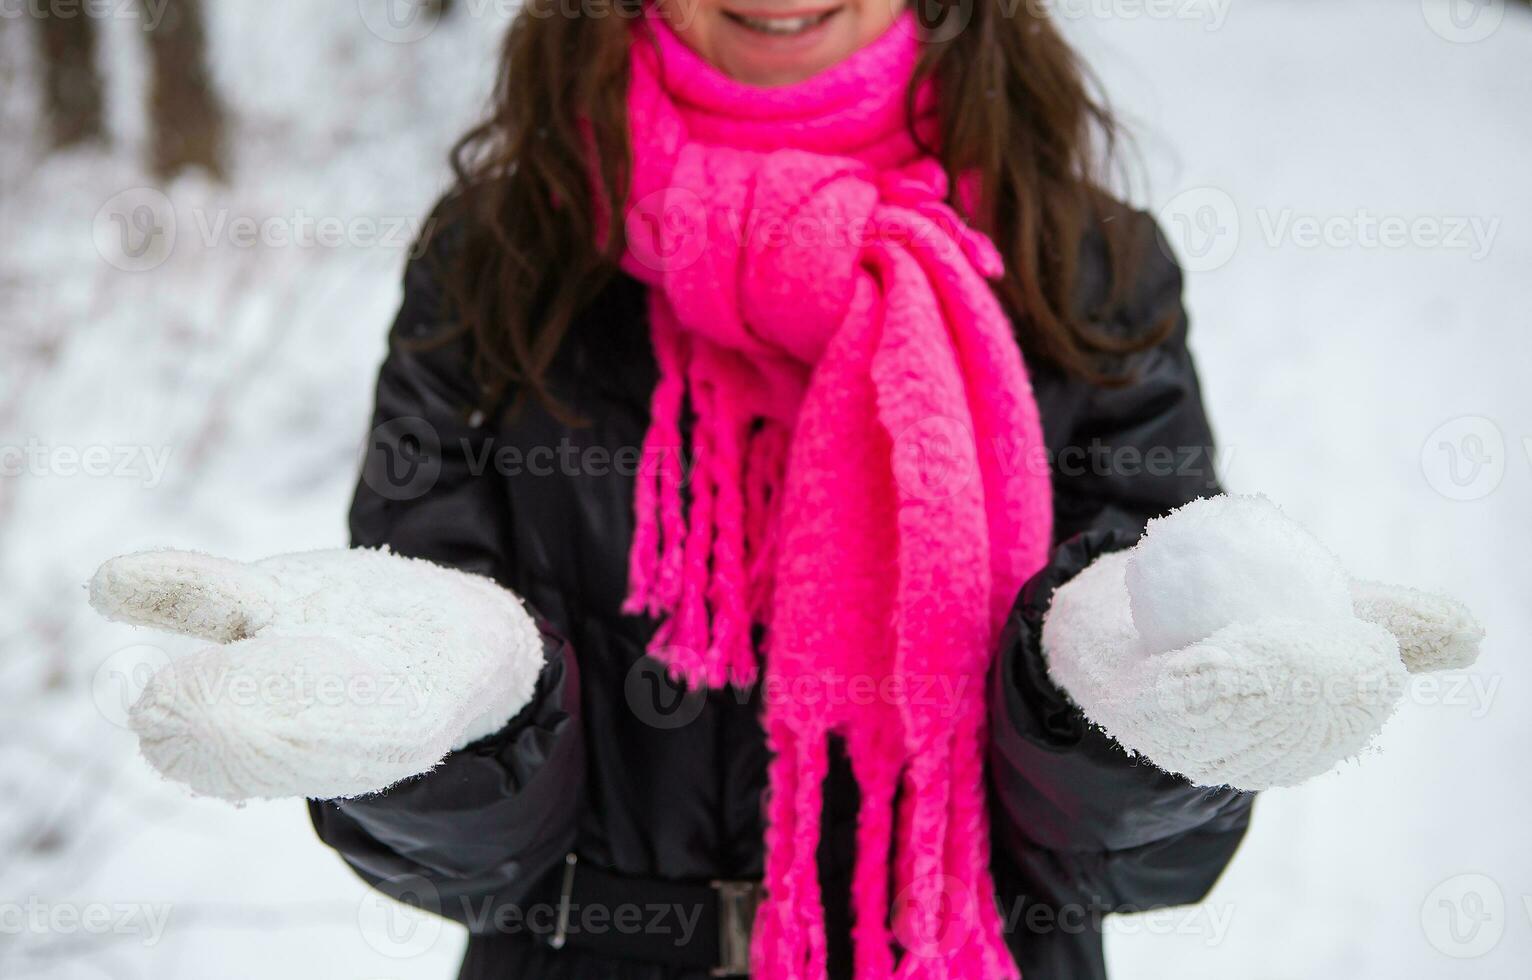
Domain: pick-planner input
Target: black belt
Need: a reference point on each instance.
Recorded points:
(698, 925)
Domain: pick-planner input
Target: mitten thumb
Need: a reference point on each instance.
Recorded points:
(185, 592)
(1435, 632)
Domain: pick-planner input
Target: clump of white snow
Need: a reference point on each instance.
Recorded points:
(1229, 559)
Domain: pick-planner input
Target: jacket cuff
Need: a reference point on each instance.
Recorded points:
(1060, 782)
(499, 813)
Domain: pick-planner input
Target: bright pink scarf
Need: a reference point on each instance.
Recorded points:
(865, 478)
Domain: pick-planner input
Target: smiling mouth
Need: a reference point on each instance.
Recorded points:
(781, 26)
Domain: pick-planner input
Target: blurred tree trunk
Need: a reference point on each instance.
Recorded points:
(186, 117)
(72, 82)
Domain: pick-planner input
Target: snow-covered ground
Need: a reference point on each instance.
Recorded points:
(1345, 181)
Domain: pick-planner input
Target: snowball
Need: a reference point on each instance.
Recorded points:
(1228, 559)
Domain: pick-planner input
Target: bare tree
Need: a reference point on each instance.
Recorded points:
(72, 82)
(185, 114)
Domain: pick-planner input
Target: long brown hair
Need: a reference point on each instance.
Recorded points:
(1016, 106)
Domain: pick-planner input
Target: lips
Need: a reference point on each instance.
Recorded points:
(774, 25)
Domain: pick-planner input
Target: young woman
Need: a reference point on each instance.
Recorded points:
(787, 363)
(765, 335)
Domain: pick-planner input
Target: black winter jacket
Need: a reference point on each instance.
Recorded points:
(612, 764)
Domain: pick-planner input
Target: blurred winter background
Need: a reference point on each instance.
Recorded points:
(204, 209)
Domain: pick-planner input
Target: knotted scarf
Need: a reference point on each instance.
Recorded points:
(859, 494)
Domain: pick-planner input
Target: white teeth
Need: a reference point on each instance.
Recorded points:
(781, 25)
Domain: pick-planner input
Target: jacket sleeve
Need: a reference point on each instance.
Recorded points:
(1082, 828)
(484, 826)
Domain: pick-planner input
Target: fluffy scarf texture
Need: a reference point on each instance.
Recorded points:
(864, 495)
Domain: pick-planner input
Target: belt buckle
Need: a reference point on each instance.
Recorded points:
(737, 902)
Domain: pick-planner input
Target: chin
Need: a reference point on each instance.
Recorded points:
(770, 43)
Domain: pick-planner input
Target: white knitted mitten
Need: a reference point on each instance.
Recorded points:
(1231, 647)
(336, 673)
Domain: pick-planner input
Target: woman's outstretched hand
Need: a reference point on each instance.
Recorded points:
(1229, 646)
(333, 674)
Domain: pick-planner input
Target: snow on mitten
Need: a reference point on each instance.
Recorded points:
(1229, 646)
(336, 673)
